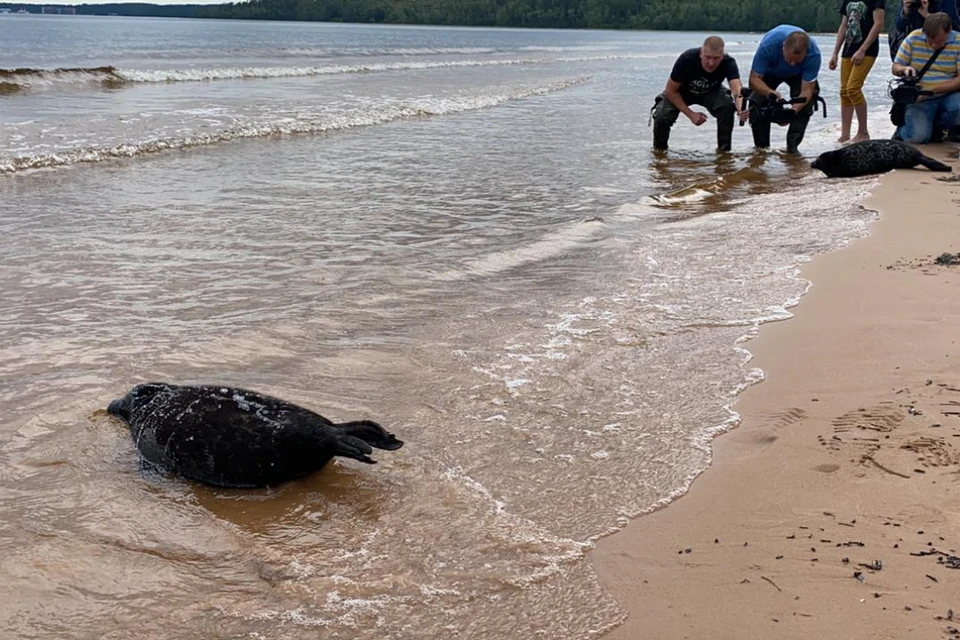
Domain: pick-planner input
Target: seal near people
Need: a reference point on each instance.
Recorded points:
(873, 156)
(229, 437)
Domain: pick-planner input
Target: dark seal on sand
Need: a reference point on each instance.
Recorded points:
(873, 156)
(236, 438)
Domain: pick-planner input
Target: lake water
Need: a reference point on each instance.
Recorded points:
(460, 233)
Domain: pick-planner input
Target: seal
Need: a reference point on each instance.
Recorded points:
(873, 156)
(229, 437)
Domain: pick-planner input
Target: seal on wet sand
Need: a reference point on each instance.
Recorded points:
(873, 156)
(231, 437)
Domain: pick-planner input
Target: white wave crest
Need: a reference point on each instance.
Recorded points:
(322, 124)
(240, 73)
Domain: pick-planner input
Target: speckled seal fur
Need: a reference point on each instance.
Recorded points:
(230, 437)
(873, 156)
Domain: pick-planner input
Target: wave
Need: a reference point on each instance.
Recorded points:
(571, 236)
(16, 79)
(320, 124)
(704, 189)
(325, 52)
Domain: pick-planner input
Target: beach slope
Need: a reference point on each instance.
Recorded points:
(833, 510)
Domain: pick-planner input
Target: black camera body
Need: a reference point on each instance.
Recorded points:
(906, 90)
(778, 110)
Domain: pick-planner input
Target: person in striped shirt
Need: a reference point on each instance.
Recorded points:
(931, 114)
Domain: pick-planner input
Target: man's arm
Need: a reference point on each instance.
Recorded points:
(761, 65)
(672, 93)
(806, 92)
(903, 70)
(759, 87)
(736, 88)
(901, 64)
(736, 85)
(943, 88)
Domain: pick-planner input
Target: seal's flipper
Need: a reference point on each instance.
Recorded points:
(350, 447)
(934, 165)
(371, 433)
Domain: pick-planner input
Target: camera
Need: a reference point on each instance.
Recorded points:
(779, 111)
(906, 90)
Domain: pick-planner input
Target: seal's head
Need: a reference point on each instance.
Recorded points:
(826, 162)
(137, 396)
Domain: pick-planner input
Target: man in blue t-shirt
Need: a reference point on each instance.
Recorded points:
(786, 54)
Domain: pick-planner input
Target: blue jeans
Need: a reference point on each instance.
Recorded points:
(921, 117)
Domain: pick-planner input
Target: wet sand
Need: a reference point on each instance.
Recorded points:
(833, 510)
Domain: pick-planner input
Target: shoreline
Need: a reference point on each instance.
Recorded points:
(833, 509)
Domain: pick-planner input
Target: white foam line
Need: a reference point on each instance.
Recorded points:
(45, 78)
(197, 75)
(289, 127)
(549, 245)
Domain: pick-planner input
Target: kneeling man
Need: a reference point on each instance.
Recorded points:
(931, 114)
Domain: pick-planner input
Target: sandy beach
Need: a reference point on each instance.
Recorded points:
(833, 510)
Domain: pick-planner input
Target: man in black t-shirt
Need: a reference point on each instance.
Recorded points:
(697, 78)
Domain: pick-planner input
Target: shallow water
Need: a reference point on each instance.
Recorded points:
(459, 233)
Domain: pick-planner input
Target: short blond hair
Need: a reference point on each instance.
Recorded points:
(713, 43)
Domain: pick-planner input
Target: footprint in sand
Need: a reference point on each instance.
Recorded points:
(776, 421)
(863, 427)
(933, 452)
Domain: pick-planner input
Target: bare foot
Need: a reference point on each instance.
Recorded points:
(844, 137)
(861, 137)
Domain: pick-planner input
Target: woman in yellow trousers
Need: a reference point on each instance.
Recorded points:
(857, 46)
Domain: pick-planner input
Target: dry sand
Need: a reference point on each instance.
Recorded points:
(833, 510)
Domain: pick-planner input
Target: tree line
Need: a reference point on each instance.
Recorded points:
(681, 15)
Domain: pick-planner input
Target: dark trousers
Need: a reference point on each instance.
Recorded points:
(798, 126)
(718, 103)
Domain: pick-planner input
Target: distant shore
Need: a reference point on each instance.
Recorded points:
(713, 16)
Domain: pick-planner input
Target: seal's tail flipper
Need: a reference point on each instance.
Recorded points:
(371, 433)
(934, 165)
(350, 447)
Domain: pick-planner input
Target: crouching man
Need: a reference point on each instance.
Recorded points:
(697, 79)
(788, 55)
